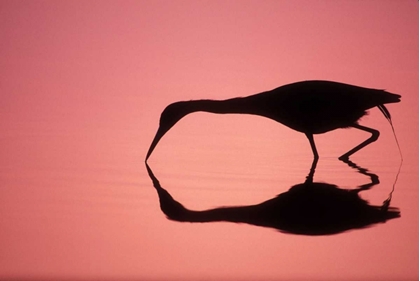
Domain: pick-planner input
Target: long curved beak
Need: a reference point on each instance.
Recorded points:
(158, 136)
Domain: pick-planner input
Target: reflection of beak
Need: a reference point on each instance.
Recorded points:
(158, 136)
(152, 176)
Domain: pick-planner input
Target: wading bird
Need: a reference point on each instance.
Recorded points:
(310, 107)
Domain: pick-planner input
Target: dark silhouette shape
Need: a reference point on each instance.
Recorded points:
(307, 209)
(310, 107)
(374, 180)
(310, 176)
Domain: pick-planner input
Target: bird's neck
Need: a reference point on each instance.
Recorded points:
(235, 105)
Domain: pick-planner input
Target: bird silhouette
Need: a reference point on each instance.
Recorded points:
(309, 208)
(310, 107)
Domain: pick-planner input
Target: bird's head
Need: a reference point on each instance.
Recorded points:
(169, 117)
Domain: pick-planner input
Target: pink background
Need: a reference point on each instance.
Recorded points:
(83, 84)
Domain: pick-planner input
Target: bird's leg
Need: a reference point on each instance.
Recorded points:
(373, 137)
(312, 142)
(310, 177)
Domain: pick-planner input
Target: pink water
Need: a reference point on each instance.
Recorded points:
(83, 85)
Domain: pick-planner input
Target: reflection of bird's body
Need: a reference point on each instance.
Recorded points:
(310, 107)
(310, 208)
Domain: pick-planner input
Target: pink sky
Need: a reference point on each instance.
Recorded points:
(83, 84)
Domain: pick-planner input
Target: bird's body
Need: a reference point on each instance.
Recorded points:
(310, 107)
(314, 107)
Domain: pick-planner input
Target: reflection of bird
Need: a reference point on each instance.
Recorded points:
(310, 107)
(307, 208)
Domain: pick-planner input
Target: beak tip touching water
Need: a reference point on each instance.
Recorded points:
(158, 136)
(149, 152)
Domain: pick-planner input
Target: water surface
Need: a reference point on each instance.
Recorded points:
(82, 87)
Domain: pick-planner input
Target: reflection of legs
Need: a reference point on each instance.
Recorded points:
(374, 178)
(310, 177)
(374, 181)
(374, 137)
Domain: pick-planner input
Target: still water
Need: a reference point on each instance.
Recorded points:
(82, 205)
(83, 84)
